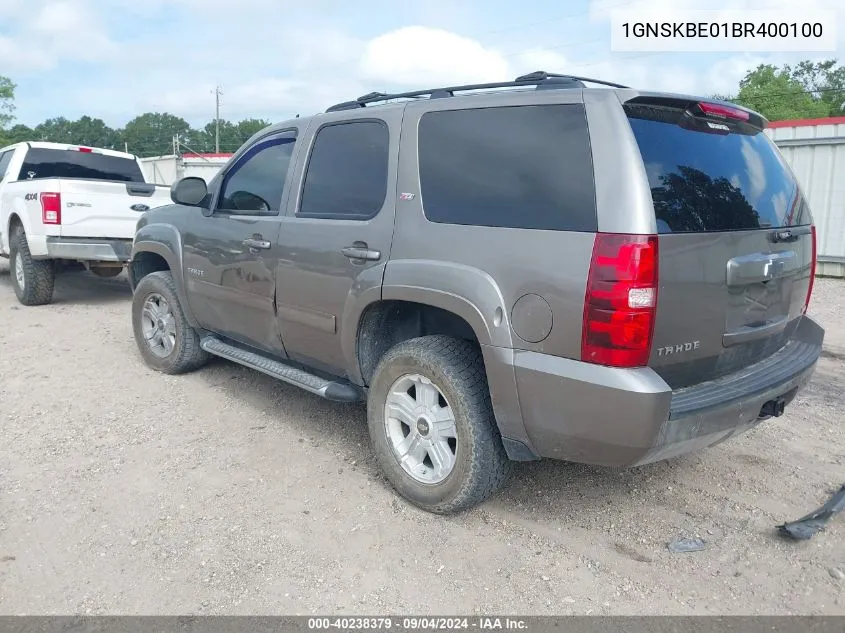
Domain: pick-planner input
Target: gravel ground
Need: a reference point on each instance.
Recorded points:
(123, 491)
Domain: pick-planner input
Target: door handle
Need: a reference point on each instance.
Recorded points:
(361, 253)
(253, 243)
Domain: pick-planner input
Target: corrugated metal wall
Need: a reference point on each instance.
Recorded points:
(816, 154)
(165, 170)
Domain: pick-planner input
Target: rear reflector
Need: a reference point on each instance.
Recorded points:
(620, 301)
(51, 208)
(812, 268)
(727, 112)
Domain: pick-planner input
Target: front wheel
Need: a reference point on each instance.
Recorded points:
(32, 279)
(432, 427)
(166, 340)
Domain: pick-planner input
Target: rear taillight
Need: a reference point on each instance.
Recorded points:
(51, 208)
(620, 301)
(812, 268)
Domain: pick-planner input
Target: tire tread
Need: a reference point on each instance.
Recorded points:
(39, 274)
(461, 363)
(190, 356)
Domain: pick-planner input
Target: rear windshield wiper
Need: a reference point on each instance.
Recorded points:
(790, 234)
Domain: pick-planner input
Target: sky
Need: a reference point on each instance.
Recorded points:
(115, 59)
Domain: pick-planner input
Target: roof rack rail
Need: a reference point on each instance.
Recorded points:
(541, 79)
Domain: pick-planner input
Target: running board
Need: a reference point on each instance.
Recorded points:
(329, 389)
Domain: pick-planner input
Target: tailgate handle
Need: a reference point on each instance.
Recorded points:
(750, 333)
(141, 189)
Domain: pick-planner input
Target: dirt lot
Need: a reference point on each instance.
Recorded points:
(126, 491)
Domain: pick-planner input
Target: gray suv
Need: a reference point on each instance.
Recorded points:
(511, 271)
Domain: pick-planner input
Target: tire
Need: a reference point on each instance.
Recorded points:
(32, 279)
(455, 368)
(156, 309)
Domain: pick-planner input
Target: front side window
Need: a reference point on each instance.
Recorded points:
(254, 186)
(347, 171)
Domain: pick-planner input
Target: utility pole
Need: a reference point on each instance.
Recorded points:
(217, 93)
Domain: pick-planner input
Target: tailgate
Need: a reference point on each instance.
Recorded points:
(735, 239)
(93, 208)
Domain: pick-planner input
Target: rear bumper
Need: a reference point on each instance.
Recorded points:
(627, 417)
(88, 249)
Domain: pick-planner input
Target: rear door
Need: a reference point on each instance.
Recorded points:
(735, 238)
(334, 245)
(102, 194)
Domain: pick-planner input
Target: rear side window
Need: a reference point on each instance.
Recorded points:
(5, 159)
(347, 171)
(57, 163)
(706, 178)
(526, 167)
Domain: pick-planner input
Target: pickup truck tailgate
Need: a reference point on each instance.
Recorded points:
(93, 208)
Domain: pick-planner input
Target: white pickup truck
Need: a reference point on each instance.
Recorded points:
(65, 203)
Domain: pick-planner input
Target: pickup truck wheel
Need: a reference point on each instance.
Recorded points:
(166, 340)
(32, 279)
(432, 427)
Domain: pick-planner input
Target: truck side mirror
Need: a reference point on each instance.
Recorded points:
(190, 191)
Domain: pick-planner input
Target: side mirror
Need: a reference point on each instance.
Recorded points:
(190, 191)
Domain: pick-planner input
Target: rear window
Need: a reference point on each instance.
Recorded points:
(525, 167)
(57, 163)
(704, 178)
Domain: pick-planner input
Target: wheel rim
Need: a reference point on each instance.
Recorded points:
(158, 325)
(19, 276)
(421, 430)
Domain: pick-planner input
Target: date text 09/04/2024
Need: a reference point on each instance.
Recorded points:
(416, 623)
(722, 29)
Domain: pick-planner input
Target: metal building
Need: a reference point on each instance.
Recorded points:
(165, 170)
(815, 149)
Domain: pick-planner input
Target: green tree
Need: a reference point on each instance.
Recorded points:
(825, 80)
(57, 130)
(777, 95)
(151, 134)
(232, 135)
(94, 133)
(7, 108)
(7, 101)
(17, 134)
(248, 127)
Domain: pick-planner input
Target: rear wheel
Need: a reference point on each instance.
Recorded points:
(166, 340)
(32, 279)
(432, 427)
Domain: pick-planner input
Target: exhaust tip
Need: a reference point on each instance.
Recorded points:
(773, 408)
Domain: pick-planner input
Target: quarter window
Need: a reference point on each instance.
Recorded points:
(255, 185)
(526, 167)
(347, 171)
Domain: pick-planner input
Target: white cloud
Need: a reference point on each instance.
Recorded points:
(276, 58)
(418, 56)
(41, 35)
